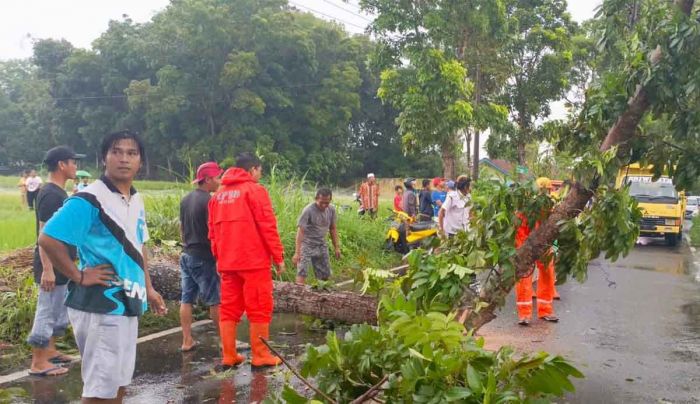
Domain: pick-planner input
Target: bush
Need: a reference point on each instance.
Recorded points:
(695, 232)
(17, 306)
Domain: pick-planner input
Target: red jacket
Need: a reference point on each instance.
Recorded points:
(242, 224)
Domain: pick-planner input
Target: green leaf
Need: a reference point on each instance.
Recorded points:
(289, 395)
(474, 379)
(417, 354)
(457, 393)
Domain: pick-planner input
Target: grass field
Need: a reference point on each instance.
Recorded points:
(17, 223)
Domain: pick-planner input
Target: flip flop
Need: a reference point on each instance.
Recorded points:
(61, 359)
(47, 372)
(190, 349)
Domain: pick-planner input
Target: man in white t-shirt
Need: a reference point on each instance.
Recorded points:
(33, 183)
(454, 212)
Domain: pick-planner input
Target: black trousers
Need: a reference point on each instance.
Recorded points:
(31, 197)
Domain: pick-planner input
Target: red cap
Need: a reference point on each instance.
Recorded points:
(437, 181)
(207, 170)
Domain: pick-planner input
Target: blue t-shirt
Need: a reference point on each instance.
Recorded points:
(438, 196)
(106, 228)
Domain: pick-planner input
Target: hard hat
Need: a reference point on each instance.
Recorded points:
(543, 182)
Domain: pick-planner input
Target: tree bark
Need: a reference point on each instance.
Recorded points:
(475, 166)
(468, 139)
(346, 307)
(477, 101)
(448, 159)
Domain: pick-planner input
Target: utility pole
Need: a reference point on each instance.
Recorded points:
(475, 160)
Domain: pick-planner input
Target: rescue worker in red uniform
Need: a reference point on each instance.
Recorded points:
(245, 243)
(546, 277)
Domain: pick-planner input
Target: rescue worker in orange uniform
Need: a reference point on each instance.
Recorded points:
(546, 277)
(246, 243)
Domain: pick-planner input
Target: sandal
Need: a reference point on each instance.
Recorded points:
(524, 322)
(551, 319)
(54, 371)
(61, 359)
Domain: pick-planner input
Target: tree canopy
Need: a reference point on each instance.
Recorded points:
(206, 79)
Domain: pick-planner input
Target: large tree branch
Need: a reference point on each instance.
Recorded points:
(541, 239)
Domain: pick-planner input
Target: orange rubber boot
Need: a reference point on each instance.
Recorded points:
(261, 355)
(227, 330)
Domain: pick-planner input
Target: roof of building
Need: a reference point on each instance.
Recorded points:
(503, 166)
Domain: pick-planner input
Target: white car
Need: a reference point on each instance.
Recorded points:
(693, 207)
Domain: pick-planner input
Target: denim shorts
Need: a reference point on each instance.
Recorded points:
(50, 318)
(199, 278)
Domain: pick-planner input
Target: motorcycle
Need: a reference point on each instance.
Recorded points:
(405, 233)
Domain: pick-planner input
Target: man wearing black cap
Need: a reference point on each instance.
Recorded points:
(51, 317)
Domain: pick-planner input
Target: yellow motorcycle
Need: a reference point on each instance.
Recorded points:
(405, 233)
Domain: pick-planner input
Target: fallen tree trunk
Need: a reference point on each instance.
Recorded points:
(346, 307)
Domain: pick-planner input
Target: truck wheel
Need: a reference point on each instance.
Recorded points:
(672, 240)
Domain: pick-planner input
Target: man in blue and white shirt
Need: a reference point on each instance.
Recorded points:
(110, 290)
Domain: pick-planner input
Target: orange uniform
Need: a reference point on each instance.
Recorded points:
(545, 283)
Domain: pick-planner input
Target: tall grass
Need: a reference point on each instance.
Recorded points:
(361, 239)
(16, 306)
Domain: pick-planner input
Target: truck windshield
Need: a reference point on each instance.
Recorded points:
(659, 191)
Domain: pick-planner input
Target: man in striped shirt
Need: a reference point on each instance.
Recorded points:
(106, 222)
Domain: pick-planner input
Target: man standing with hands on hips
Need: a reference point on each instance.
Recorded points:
(112, 287)
(245, 244)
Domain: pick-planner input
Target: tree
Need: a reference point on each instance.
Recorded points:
(433, 97)
(540, 58)
(206, 79)
(470, 32)
(26, 108)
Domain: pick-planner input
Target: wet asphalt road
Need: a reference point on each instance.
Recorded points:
(633, 329)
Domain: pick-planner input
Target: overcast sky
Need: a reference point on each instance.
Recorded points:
(82, 21)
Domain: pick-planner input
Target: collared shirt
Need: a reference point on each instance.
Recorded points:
(107, 227)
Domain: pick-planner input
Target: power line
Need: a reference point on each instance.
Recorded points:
(327, 16)
(347, 11)
(122, 96)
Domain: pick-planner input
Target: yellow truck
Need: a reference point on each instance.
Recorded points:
(663, 207)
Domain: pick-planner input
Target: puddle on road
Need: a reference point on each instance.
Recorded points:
(165, 375)
(654, 255)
